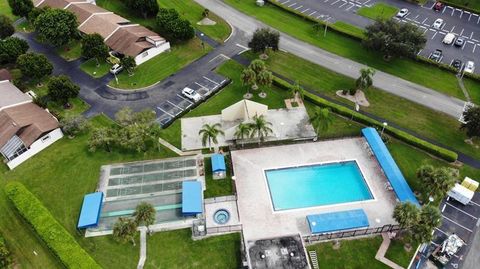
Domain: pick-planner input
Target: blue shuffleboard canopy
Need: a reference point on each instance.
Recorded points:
(218, 163)
(90, 213)
(191, 197)
(337, 221)
(389, 167)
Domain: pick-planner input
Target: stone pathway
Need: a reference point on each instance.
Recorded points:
(176, 150)
(143, 247)
(381, 253)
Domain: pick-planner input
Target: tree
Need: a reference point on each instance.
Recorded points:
(263, 39)
(35, 12)
(321, 120)
(171, 25)
(94, 47)
(430, 217)
(145, 214)
(146, 8)
(5, 256)
(257, 66)
(406, 214)
(129, 64)
(296, 91)
(248, 77)
(437, 181)
(101, 138)
(365, 80)
(257, 74)
(243, 131)
(209, 134)
(264, 79)
(205, 13)
(124, 230)
(394, 38)
(34, 65)
(6, 27)
(10, 48)
(137, 130)
(260, 128)
(56, 26)
(20, 8)
(61, 89)
(471, 124)
(74, 125)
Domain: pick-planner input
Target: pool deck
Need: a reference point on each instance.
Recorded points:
(254, 203)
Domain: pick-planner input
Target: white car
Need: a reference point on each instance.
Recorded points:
(191, 94)
(448, 39)
(402, 13)
(116, 68)
(438, 23)
(469, 67)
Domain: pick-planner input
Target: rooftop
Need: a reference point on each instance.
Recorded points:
(11, 95)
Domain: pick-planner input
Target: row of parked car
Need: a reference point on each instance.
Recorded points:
(469, 66)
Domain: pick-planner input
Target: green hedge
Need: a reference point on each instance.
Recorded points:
(460, 6)
(63, 245)
(339, 109)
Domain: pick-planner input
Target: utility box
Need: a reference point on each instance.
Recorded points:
(461, 194)
(260, 3)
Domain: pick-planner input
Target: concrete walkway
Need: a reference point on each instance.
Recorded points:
(381, 253)
(143, 247)
(176, 150)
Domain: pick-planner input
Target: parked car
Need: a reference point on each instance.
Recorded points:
(457, 64)
(459, 42)
(448, 39)
(469, 67)
(438, 6)
(116, 68)
(402, 13)
(191, 94)
(438, 23)
(436, 55)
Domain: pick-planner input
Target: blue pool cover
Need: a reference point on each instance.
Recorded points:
(337, 221)
(91, 207)
(218, 163)
(191, 197)
(389, 167)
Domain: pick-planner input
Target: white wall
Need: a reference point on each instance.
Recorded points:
(36, 147)
(150, 53)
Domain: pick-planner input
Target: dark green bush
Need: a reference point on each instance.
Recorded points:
(5, 259)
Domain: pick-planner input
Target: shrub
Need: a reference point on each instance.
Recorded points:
(5, 259)
(46, 226)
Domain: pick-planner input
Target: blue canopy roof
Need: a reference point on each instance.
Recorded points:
(389, 167)
(218, 163)
(90, 212)
(336, 221)
(191, 197)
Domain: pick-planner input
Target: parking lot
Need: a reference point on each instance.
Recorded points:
(170, 108)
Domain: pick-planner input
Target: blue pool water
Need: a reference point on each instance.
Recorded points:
(316, 185)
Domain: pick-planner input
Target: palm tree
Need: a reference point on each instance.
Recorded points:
(257, 66)
(437, 181)
(145, 214)
(296, 91)
(321, 120)
(365, 80)
(406, 214)
(210, 133)
(264, 79)
(260, 128)
(124, 230)
(249, 78)
(242, 132)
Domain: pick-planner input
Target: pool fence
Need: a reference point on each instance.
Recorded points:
(312, 239)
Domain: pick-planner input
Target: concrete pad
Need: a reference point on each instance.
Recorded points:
(230, 206)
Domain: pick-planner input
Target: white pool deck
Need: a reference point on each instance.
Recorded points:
(255, 209)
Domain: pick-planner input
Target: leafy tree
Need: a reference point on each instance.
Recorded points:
(34, 65)
(264, 38)
(171, 25)
(248, 77)
(394, 39)
(124, 230)
(365, 80)
(209, 134)
(471, 118)
(5, 256)
(437, 181)
(6, 27)
(321, 120)
(243, 131)
(11, 48)
(35, 12)
(101, 138)
(61, 89)
(406, 214)
(94, 47)
(137, 130)
(164, 17)
(74, 125)
(261, 128)
(145, 214)
(20, 7)
(56, 26)
(146, 8)
(129, 64)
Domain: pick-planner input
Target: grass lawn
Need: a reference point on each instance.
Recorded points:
(397, 253)
(71, 51)
(161, 66)
(379, 11)
(90, 67)
(217, 187)
(349, 28)
(421, 73)
(475, 4)
(25, 27)
(5, 9)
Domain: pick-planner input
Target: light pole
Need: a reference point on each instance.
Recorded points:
(385, 124)
(201, 38)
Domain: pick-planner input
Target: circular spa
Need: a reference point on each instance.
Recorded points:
(221, 216)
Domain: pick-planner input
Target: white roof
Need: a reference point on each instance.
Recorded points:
(11, 95)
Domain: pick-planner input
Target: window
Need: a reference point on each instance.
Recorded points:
(45, 138)
(145, 54)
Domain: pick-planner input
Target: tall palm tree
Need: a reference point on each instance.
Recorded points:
(437, 181)
(145, 214)
(366, 79)
(406, 214)
(257, 66)
(264, 79)
(296, 91)
(260, 128)
(243, 131)
(124, 230)
(249, 78)
(209, 134)
(321, 120)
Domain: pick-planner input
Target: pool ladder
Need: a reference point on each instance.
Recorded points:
(313, 258)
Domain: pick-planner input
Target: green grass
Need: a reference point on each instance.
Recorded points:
(397, 253)
(424, 74)
(379, 11)
(474, 4)
(161, 66)
(349, 28)
(217, 187)
(25, 27)
(71, 51)
(90, 67)
(5, 10)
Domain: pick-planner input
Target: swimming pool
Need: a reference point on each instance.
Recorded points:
(316, 185)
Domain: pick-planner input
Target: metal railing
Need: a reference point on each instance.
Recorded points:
(220, 199)
(309, 239)
(224, 229)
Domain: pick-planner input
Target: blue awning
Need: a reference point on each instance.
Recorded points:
(218, 163)
(191, 197)
(90, 212)
(389, 167)
(336, 221)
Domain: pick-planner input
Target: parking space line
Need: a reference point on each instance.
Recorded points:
(464, 43)
(478, 19)
(174, 105)
(335, 2)
(343, 4)
(458, 224)
(451, 31)
(326, 1)
(298, 7)
(211, 80)
(291, 5)
(352, 5)
(453, 11)
(285, 2)
(461, 14)
(165, 112)
(423, 22)
(312, 13)
(441, 231)
(202, 86)
(434, 35)
(305, 10)
(474, 47)
(184, 99)
(468, 214)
